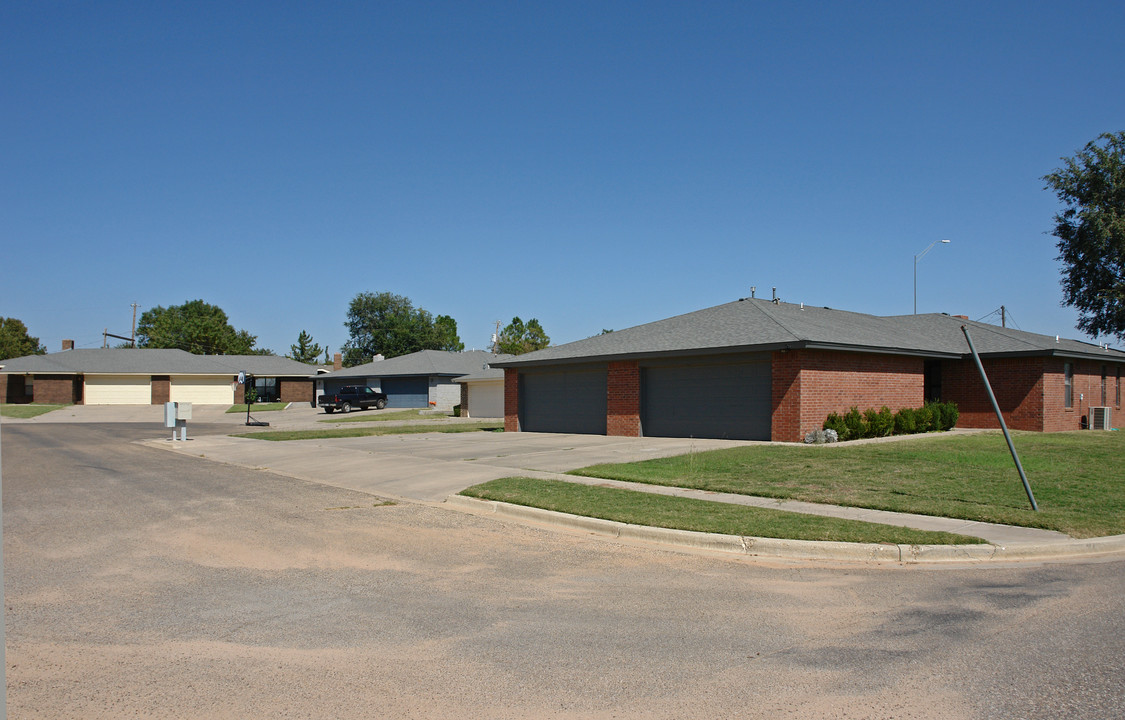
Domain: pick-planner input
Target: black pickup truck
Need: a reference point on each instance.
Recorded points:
(352, 396)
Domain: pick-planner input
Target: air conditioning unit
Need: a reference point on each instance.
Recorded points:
(1100, 418)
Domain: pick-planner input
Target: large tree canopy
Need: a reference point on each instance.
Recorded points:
(14, 340)
(517, 338)
(195, 327)
(1091, 233)
(388, 324)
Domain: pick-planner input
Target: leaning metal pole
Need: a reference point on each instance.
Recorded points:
(1000, 417)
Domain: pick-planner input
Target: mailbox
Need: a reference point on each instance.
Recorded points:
(176, 415)
(183, 411)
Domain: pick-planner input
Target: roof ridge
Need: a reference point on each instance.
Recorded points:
(775, 320)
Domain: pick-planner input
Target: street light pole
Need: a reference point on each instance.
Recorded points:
(918, 257)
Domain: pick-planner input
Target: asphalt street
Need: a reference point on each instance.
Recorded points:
(142, 583)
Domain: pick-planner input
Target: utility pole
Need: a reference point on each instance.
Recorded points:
(134, 325)
(1003, 317)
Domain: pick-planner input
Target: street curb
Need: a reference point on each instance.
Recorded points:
(797, 549)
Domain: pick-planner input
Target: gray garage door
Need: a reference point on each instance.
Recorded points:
(409, 392)
(573, 401)
(707, 401)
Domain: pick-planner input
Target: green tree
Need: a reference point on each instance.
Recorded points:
(305, 350)
(445, 334)
(517, 338)
(1091, 233)
(15, 342)
(196, 327)
(389, 324)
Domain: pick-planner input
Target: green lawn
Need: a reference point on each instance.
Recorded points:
(26, 411)
(379, 415)
(640, 508)
(348, 432)
(258, 407)
(1078, 478)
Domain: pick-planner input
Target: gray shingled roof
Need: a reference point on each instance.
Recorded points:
(425, 362)
(267, 365)
(751, 325)
(146, 361)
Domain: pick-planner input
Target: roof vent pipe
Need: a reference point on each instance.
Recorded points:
(775, 294)
(753, 289)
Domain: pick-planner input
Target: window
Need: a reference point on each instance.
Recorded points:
(1118, 403)
(1105, 374)
(266, 389)
(1068, 385)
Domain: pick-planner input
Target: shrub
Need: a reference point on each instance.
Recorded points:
(882, 423)
(952, 415)
(905, 423)
(835, 422)
(853, 425)
(871, 423)
(924, 419)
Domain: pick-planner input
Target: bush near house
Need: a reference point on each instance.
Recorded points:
(872, 423)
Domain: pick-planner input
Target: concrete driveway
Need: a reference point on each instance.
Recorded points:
(433, 466)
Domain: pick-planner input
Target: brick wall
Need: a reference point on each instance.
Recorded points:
(161, 389)
(290, 390)
(623, 399)
(1019, 384)
(810, 384)
(55, 389)
(511, 400)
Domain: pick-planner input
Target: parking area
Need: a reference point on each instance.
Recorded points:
(432, 466)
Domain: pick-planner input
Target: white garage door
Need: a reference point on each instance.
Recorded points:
(486, 399)
(117, 390)
(203, 390)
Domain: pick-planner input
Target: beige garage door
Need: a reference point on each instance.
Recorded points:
(117, 390)
(203, 390)
(486, 399)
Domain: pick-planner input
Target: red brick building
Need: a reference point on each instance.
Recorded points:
(766, 370)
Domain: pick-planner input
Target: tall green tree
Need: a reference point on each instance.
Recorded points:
(15, 341)
(305, 350)
(517, 338)
(196, 327)
(388, 324)
(445, 334)
(1091, 233)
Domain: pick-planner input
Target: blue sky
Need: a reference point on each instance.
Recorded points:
(590, 164)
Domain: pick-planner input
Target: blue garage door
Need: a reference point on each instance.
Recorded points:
(408, 392)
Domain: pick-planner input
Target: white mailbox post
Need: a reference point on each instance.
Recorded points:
(176, 415)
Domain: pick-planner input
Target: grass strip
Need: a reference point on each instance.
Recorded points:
(26, 410)
(258, 407)
(641, 508)
(1078, 478)
(368, 431)
(380, 415)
